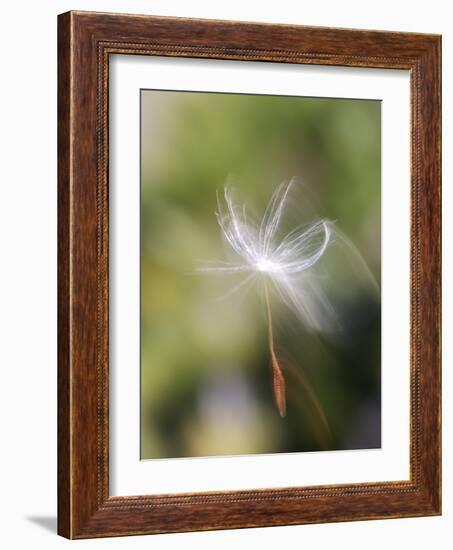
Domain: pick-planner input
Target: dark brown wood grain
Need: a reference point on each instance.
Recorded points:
(85, 41)
(64, 425)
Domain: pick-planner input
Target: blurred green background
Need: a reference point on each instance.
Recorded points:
(205, 373)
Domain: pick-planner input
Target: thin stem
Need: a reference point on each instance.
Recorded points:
(278, 378)
(269, 320)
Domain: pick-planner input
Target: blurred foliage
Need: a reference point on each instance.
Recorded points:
(205, 379)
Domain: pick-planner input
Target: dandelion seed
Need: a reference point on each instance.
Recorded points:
(261, 255)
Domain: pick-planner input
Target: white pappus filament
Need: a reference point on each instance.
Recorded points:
(260, 253)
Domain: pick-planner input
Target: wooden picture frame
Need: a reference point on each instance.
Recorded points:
(85, 42)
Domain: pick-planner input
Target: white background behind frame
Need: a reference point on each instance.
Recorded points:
(128, 474)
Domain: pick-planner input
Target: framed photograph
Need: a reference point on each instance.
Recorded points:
(249, 275)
